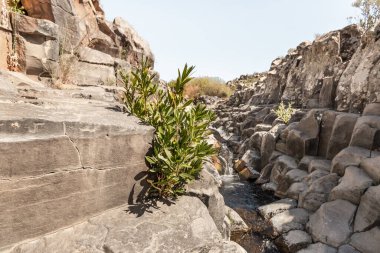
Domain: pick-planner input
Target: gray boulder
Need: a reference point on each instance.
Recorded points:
(368, 214)
(318, 192)
(368, 241)
(372, 167)
(293, 241)
(293, 219)
(332, 223)
(352, 186)
(351, 156)
(270, 210)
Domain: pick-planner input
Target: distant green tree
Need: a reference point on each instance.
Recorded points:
(370, 12)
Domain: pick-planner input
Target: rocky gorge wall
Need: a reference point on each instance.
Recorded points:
(339, 70)
(323, 164)
(69, 40)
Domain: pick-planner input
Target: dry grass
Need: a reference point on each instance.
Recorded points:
(209, 86)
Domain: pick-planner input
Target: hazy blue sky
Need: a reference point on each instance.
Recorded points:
(227, 38)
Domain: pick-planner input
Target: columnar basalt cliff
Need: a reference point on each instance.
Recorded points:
(339, 70)
(324, 163)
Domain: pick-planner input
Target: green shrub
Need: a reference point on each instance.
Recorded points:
(179, 144)
(284, 112)
(209, 86)
(16, 6)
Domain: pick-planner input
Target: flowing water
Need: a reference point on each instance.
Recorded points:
(245, 197)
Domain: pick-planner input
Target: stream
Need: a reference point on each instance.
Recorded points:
(245, 197)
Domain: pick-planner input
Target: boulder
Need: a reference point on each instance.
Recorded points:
(372, 110)
(368, 214)
(292, 176)
(347, 249)
(256, 140)
(319, 164)
(251, 159)
(237, 223)
(352, 186)
(318, 192)
(341, 134)
(351, 156)
(270, 210)
(293, 219)
(206, 189)
(295, 190)
(293, 241)
(332, 223)
(303, 140)
(249, 174)
(282, 165)
(265, 174)
(368, 241)
(315, 175)
(372, 167)
(365, 132)
(305, 162)
(318, 248)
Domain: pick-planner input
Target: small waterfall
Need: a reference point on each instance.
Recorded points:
(226, 158)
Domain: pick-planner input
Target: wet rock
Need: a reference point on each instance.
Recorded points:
(293, 241)
(237, 223)
(368, 214)
(367, 242)
(294, 219)
(269, 187)
(351, 156)
(249, 174)
(341, 134)
(265, 174)
(332, 223)
(318, 192)
(270, 210)
(352, 186)
(318, 248)
(251, 159)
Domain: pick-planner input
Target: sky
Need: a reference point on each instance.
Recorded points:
(227, 38)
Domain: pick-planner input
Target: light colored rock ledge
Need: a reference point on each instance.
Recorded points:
(184, 226)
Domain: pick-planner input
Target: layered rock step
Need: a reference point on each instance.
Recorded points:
(64, 159)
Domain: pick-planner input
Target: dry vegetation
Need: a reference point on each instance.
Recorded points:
(209, 86)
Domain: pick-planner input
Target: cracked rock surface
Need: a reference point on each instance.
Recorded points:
(185, 226)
